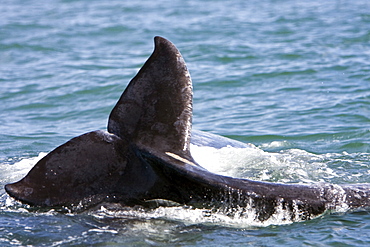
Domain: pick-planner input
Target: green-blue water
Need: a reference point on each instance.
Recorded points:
(291, 77)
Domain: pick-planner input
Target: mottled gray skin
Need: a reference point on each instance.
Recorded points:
(145, 156)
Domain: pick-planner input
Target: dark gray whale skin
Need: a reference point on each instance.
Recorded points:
(145, 156)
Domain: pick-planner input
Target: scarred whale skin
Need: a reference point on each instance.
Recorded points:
(145, 155)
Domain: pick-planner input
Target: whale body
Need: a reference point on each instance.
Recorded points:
(145, 155)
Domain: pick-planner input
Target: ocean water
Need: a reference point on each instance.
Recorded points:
(292, 78)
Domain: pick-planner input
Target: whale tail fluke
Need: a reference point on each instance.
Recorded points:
(152, 116)
(155, 110)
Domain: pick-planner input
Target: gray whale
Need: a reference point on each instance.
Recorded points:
(145, 155)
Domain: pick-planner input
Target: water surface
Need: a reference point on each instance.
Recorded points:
(293, 78)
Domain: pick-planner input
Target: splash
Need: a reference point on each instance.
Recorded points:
(241, 217)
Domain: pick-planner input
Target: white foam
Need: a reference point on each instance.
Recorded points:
(16, 171)
(288, 166)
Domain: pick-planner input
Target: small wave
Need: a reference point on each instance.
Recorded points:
(276, 144)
